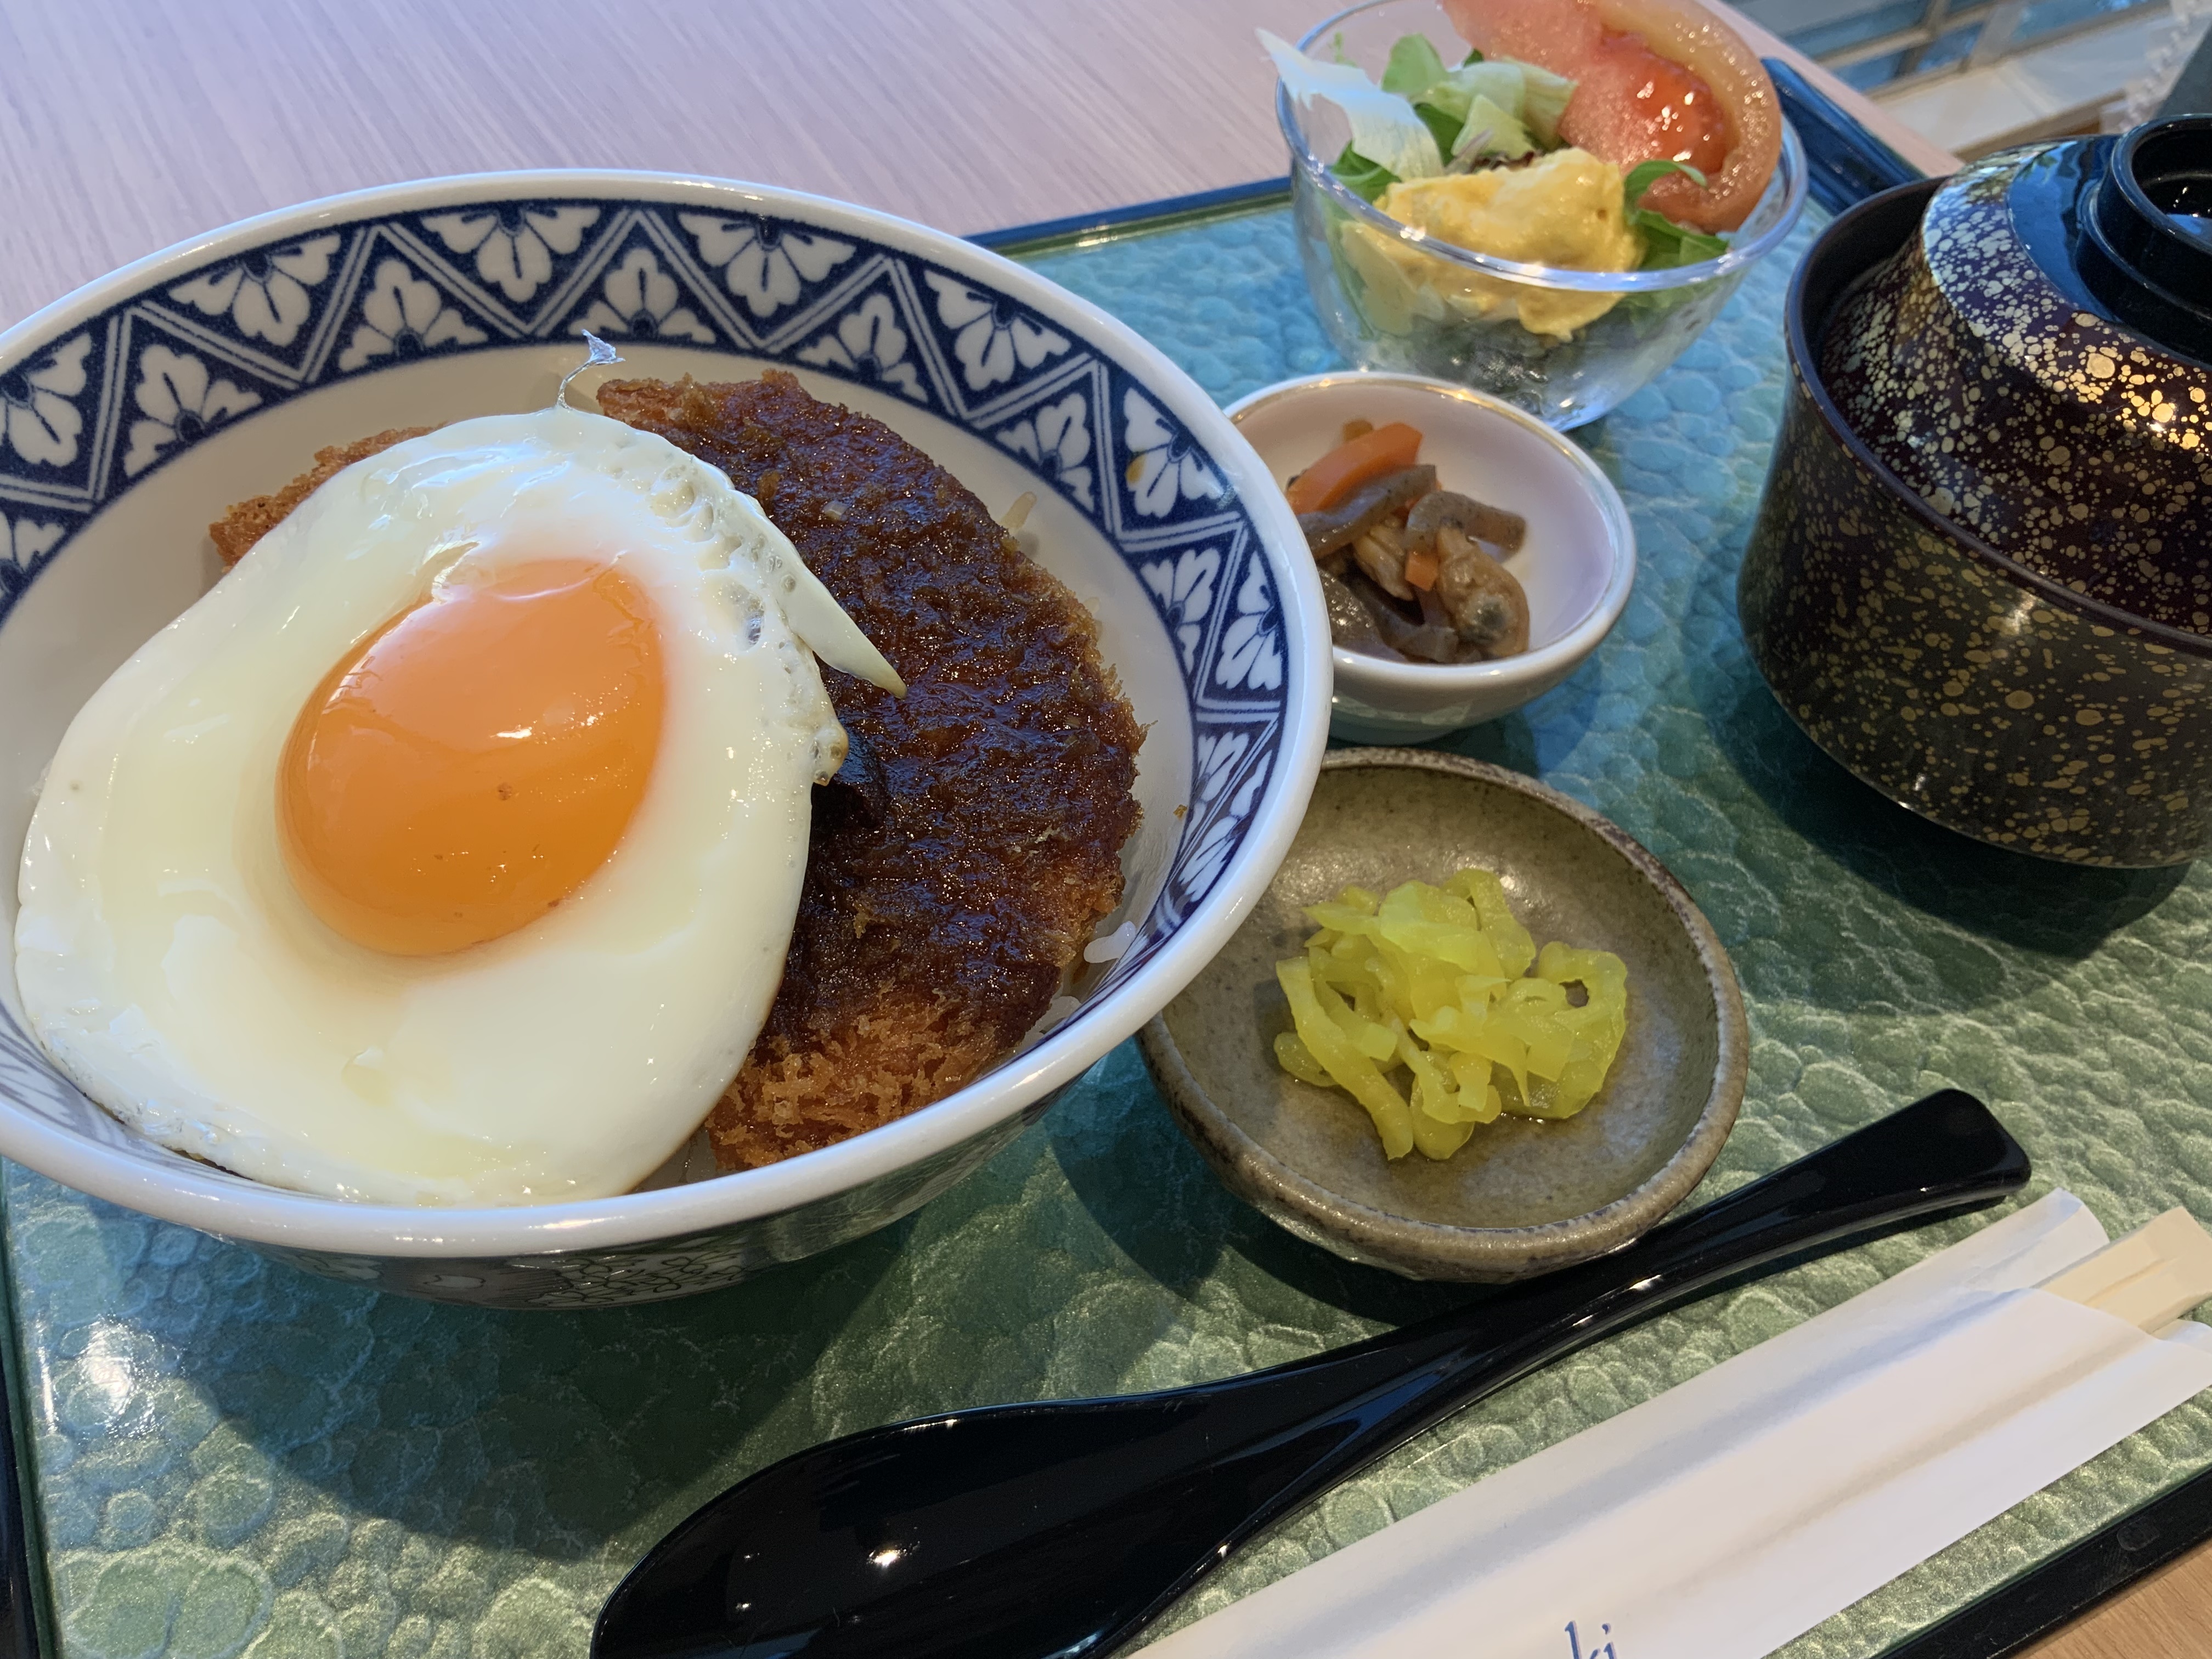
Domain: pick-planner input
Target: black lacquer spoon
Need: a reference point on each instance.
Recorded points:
(1057, 1530)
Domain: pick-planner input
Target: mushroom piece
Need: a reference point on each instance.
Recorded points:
(1338, 527)
(1484, 604)
(1351, 624)
(1382, 555)
(1477, 521)
(1423, 641)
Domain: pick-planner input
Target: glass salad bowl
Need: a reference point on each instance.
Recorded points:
(1394, 297)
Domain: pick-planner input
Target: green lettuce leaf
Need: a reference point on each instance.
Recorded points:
(1644, 174)
(1384, 128)
(1489, 130)
(1444, 126)
(1531, 97)
(1413, 67)
(1543, 101)
(1424, 116)
(1366, 179)
(1666, 244)
(1501, 82)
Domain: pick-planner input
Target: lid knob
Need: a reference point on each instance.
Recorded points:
(2149, 252)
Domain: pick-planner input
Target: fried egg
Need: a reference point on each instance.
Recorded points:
(447, 851)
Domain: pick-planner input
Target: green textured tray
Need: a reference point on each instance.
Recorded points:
(229, 1457)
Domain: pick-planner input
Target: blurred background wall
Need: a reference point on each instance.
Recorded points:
(1976, 75)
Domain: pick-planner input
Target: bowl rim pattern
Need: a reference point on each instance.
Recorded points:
(1803, 341)
(1560, 656)
(303, 297)
(1790, 175)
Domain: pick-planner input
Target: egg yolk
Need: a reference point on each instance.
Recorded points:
(469, 766)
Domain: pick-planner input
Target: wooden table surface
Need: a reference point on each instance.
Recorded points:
(129, 124)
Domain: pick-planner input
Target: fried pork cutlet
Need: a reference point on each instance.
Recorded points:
(931, 936)
(250, 521)
(928, 941)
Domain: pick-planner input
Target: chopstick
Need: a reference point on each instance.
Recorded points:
(2150, 1277)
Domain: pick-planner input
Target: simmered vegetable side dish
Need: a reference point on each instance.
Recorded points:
(1437, 981)
(1402, 564)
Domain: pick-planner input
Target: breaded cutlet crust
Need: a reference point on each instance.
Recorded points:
(250, 521)
(929, 942)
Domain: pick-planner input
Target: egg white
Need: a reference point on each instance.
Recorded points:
(170, 969)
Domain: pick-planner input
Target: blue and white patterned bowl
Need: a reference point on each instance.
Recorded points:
(133, 411)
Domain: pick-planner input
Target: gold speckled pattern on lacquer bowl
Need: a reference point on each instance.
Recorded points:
(1975, 700)
(2068, 441)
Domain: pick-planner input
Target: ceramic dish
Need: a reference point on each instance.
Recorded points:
(1522, 1197)
(1576, 566)
(136, 410)
(1393, 298)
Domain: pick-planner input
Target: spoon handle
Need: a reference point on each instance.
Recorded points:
(1064, 1527)
(1942, 1156)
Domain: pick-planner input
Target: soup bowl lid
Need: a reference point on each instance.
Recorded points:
(2036, 364)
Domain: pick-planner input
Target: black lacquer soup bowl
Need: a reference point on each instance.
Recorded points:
(1981, 688)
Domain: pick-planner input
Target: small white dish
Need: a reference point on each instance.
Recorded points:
(1577, 565)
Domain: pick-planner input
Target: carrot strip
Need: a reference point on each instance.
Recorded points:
(1421, 570)
(1347, 467)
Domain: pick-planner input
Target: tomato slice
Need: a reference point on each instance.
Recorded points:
(1632, 104)
(1657, 79)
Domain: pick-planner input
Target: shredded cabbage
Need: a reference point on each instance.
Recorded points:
(1494, 107)
(1487, 128)
(1443, 982)
(1384, 128)
(1543, 100)
(1490, 98)
(1413, 66)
